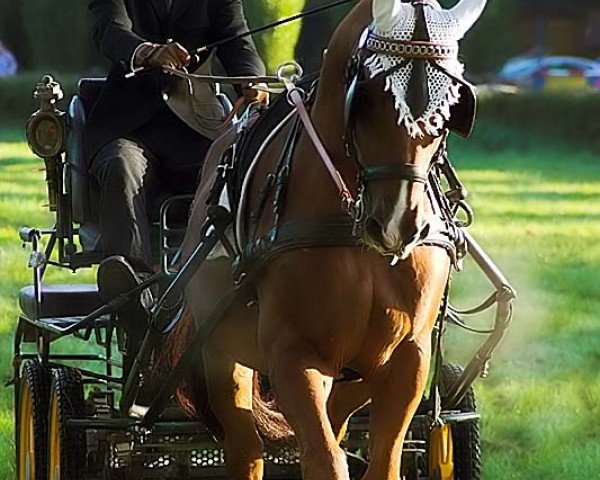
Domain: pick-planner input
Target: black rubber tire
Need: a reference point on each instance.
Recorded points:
(466, 435)
(67, 391)
(35, 379)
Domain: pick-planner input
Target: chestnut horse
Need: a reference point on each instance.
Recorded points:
(323, 309)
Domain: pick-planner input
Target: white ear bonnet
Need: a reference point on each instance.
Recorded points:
(395, 20)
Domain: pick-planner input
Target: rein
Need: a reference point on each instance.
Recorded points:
(221, 79)
(295, 99)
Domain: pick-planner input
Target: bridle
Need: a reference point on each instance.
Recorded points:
(371, 43)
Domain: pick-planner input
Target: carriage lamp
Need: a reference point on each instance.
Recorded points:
(47, 128)
(47, 133)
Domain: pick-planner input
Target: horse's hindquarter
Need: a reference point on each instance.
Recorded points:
(348, 304)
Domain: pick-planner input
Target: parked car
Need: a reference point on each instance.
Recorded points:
(551, 73)
(8, 63)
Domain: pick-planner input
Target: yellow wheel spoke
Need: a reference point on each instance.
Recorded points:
(441, 454)
(54, 439)
(26, 436)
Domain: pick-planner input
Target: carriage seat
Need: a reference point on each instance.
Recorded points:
(85, 197)
(60, 301)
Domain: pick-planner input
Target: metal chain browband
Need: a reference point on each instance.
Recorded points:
(410, 48)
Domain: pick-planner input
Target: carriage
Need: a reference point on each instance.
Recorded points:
(72, 417)
(77, 414)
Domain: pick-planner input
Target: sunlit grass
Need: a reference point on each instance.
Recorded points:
(22, 199)
(537, 214)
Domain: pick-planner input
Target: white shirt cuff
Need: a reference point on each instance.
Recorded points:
(132, 67)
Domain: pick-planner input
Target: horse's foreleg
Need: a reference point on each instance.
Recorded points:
(346, 398)
(398, 392)
(302, 389)
(230, 392)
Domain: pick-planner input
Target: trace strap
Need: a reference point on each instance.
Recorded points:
(296, 100)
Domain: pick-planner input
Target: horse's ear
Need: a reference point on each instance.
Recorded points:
(466, 13)
(387, 13)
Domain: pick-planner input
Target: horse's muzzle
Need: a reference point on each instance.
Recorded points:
(374, 235)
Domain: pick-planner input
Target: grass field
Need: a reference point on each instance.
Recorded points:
(538, 214)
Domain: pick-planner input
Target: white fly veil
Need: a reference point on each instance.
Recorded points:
(396, 21)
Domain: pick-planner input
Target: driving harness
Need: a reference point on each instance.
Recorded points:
(250, 255)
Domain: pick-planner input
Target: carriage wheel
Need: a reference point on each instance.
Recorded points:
(455, 450)
(66, 446)
(32, 416)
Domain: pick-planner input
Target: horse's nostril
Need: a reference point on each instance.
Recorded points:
(417, 235)
(374, 229)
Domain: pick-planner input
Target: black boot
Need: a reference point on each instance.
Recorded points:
(117, 277)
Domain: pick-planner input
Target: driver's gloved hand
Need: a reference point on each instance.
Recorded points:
(257, 94)
(172, 55)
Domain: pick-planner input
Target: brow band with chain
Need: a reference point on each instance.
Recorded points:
(411, 49)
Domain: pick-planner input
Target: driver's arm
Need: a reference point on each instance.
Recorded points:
(112, 31)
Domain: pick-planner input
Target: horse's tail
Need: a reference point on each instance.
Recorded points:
(192, 394)
(270, 422)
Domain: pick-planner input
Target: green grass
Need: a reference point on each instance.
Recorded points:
(22, 200)
(537, 215)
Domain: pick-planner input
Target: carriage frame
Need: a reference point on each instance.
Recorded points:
(93, 428)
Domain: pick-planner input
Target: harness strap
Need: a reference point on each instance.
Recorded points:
(296, 100)
(412, 173)
(334, 231)
(250, 79)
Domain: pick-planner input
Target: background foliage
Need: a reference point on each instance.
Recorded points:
(492, 40)
(58, 33)
(48, 34)
(55, 34)
(276, 46)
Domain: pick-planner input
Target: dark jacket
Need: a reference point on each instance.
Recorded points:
(120, 26)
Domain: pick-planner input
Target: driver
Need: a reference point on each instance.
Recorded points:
(136, 145)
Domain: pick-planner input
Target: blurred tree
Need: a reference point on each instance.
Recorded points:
(276, 46)
(494, 39)
(58, 33)
(316, 32)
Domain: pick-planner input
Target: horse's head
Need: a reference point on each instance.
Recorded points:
(405, 91)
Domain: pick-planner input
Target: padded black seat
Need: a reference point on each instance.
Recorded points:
(85, 196)
(60, 301)
(89, 91)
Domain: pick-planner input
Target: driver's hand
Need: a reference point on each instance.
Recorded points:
(253, 95)
(172, 55)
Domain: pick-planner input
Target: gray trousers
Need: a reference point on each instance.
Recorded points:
(133, 183)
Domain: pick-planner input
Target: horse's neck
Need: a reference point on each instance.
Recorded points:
(328, 111)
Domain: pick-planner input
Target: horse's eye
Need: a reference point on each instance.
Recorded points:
(363, 74)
